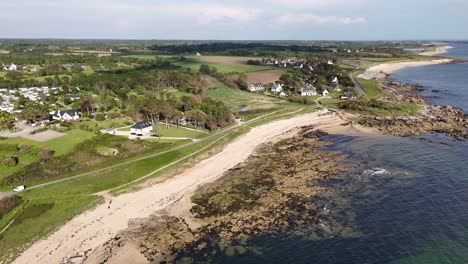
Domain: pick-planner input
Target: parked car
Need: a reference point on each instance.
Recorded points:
(19, 188)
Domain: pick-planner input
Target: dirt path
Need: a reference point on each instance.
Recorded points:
(76, 240)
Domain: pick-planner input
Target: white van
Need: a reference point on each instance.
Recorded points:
(19, 188)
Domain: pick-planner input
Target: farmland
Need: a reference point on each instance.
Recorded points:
(237, 99)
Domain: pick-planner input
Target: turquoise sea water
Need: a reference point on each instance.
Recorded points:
(407, 201)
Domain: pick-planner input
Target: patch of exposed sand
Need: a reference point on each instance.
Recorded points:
(382, 71)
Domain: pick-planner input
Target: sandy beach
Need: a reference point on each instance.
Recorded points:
(437, 51)
(382, 71)
(78, 238)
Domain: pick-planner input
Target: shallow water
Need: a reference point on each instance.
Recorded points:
(407, 201)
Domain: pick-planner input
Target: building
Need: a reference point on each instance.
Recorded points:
(333, 80)
(325, 93)
(73, 97)
(141, 128)
(277, 88)
(330, 62)
(66, 115)
(256, 87)
(12, 67)
(308, 90)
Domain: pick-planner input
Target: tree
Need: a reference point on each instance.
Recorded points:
(6, 121)
(242, 81)
(33, 112)
(86, 107)
(205, 69)
(197, 117)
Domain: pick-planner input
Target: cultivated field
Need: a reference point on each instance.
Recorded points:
(267, 76)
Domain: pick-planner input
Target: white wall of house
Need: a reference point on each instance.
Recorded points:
(142, 131)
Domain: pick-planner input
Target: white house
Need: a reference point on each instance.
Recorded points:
(277, 88)
(308, 90)
(66, 115)
(256, 87)
(12, 67)
(282, 94)
(73, 97)
(325, 93)
(140, 128)
(298, 66)
(330, 62)
(334, 80)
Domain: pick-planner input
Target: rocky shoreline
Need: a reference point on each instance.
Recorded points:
(277, 192)
(431, 118)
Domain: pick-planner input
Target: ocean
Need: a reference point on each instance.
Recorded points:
(407, 200)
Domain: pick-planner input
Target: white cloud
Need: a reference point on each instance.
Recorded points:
(319, 20)
(318, 4)
(212, 14)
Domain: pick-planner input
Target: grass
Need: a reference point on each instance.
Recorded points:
(148, 56)
(194, 65)
(236, 98)
(35, 225)
(23, 159)
(61, 145)
(72, 197)
(108, 123)
(371, 87)
(173, 131)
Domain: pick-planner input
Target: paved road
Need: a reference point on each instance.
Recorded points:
(357, 86)
(6, 194)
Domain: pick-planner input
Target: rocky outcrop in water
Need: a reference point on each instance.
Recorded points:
(273, 194)
(442, 119)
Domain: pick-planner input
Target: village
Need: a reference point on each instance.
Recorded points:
(307, 77)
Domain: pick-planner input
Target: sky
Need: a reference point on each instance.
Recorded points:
(236, 20)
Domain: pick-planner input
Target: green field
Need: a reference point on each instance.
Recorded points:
(10, 150)
(221, 67)
(61, 145)
(371, 87)
(237, 98)
(173, 131)
(108, 123)
(148, 56)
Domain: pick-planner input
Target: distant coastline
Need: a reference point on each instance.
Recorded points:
(438, 51)
(382, 71)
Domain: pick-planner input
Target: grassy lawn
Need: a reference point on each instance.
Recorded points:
(108, 123)
(237, 98)
(39, 218)
(371, 87)
(8, 150)
(173, 131)
(61, 145)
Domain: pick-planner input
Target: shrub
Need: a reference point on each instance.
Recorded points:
(10, 161)
(39, 130)
(99, 117)
(23, 149)
(113, 115)
(46, 154)
(7, 204)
